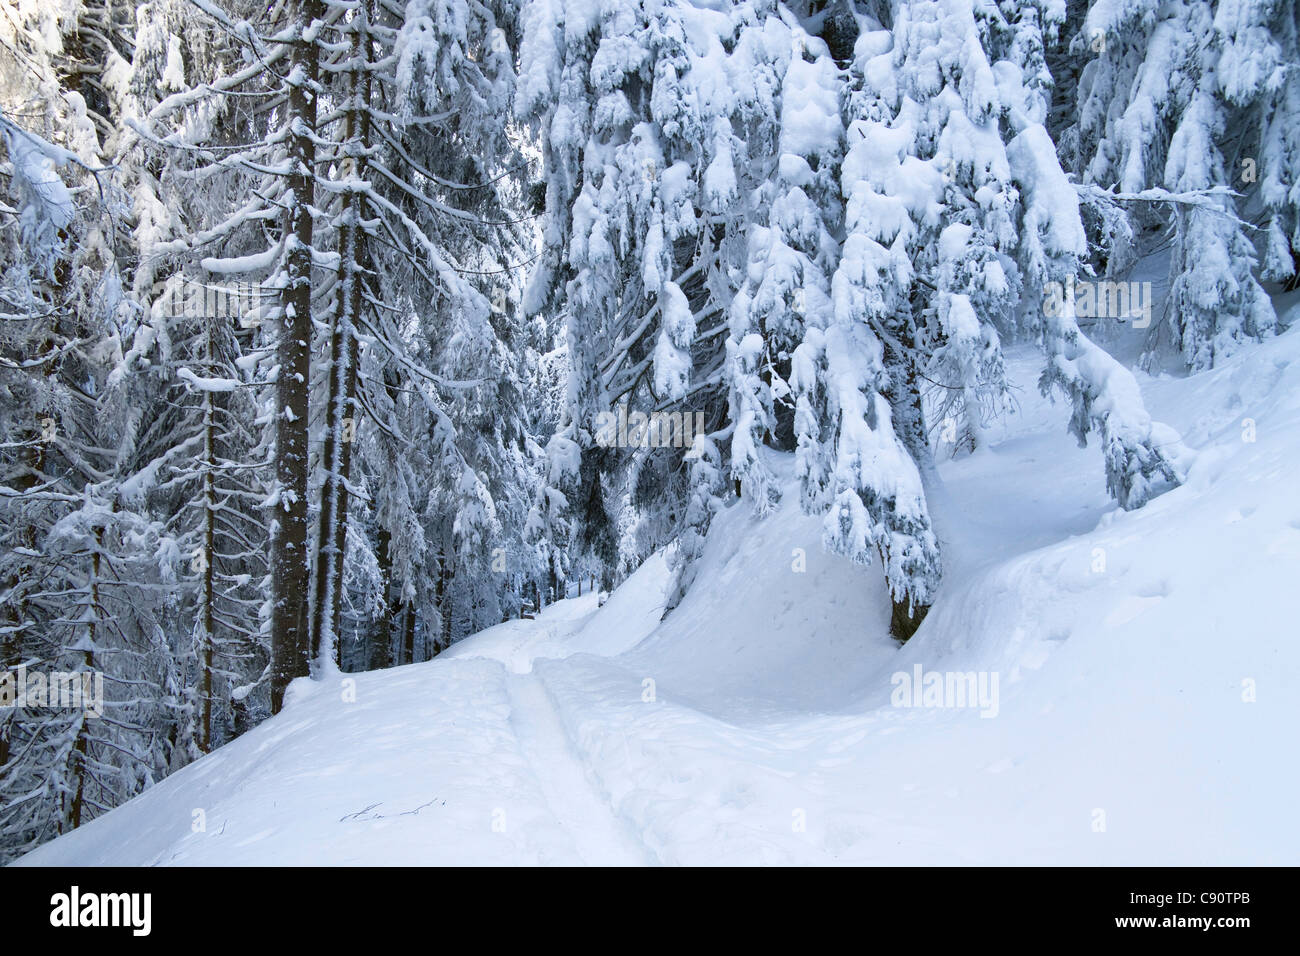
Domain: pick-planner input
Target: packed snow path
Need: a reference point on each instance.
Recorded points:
(1148, 691)
(599, 838)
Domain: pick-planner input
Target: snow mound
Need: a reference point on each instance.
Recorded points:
(576, 625)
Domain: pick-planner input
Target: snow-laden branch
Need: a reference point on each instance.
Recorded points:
(1209, 199)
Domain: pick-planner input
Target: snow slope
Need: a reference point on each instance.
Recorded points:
(1148, 690)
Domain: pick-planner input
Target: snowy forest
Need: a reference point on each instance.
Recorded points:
(335, 332)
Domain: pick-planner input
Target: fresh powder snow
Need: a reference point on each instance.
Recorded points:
(1145, 686)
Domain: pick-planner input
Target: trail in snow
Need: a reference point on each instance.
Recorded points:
(599, 838)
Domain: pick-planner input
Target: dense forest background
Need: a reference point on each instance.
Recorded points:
(309, 308)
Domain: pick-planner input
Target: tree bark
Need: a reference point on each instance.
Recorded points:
(380, 652)
(208, 570)
(408, 634)
(289, 568)
(340, 429)
(444, 641)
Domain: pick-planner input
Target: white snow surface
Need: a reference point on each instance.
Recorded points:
(755, 726)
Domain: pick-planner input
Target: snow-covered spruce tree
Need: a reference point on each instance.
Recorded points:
(143, 414)
(87, 569)
(1273, 96)
(83, 568)
(284, 72)
(690, 149)
(198, 454)
(657, 121)
(544, 523)
(1161, 111)
(786, 297)
(867, 289)
(413, 260)
(38, 213)
(445, 186)
(853, 464)
(1259, 47)
(924, 278)
(968, 87)
(213, 489)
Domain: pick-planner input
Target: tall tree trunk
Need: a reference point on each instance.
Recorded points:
(408, 634)
(444, 578)
(380, 639)
(289, 568)
(440, 593)
(340, 427)
(208, 567)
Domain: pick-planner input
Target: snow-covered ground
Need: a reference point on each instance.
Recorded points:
(1147, 706)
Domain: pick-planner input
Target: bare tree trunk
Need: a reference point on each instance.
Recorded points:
(408, 634)
(440, 593)
(445, 577)
(289, 568)
(208, 568)
(340, 427)
(380, 652)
